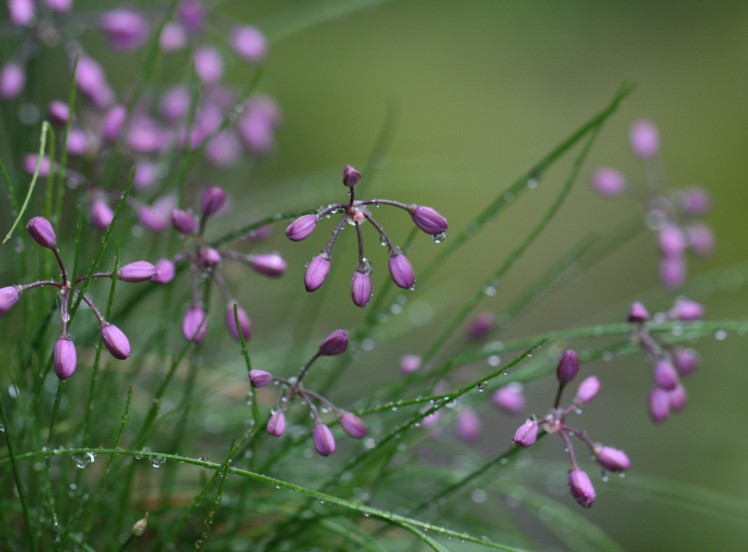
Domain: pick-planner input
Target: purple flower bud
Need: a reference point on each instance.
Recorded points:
(468, 426)
(12, 80)
(114, 121)
(409, 364)
(581, 487)
(21, 12)
(277, 424)
(334, 344)
(260, 378)
(58, 113)
(29, 165)
(316, 272)
(481, 326)
(701, 239)
(244, 322)
(685, 360)
(125, 28)
(510, 398)
(401, 271)
(77, 142)
(672, 241)
(165, 271)
(175, 104)
(208, 65)
(609, 182)
(60, 6)
(665, 375)
(324, 442)
(212, 200)
(672, 272)
(65, 357)
(353, 425)
(428, 220)
(526, 434)
(612, 459)
(587, 390)
(192, 14)
(268, 264)
(137, 271)
(686, 310)
(116, 341)
(695, 201)
(209, 257)
(645, 139)
(92, 82)
(153, 218)
(41, 230)
(249, 43)
(678, 398)
(301, 227)
(638, 313)
(9, 295)
(568, 366)
(261, 233)
(145, 136)
(257, 134)
(659, 405)
(351, 176)
(224, 150)
(173, 37)
(145, 175)
(194, 325)
(184, 221)
(361, 288)
(101, 214)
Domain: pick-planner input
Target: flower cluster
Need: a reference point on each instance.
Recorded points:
(611, 459)
(324, 442)
(356, 212)
(669, 363)
(674, 216)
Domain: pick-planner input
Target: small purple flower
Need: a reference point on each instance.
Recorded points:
(192, 14)
(212, 200)
(351, 176)
(526, 434)
(672, 241)
(469, 426)
(609, 182)
(302, 227)
(165, 271)
(116, 341)
(324, 442)
(277, 424)
(101, 214)
(125, 28)
(42, 231)
(9, 295)
(153, 218)
(77, 142)
(638, 313)
(510, 398)
(695, 201)
(145, 175)
(138, 271)
(665, 375)
(612, 459)
(587, 390)
(568, 366)
(260, 378)
(224, 150)
(316, 272)
(92, 82)
(645, 139)
(428, 220)
(249, 43)
(672, 272)
(60, 6)
(173, 37)
(402, 271)
(581, 487)
(409, 363)
(209, 257)
(208, 65)
(701, 239)
(175, 104)
(678, 398)
(685, 360)
(353, 425)
(194, 325)
(184, 221)
(481, 326)
(29, 165)
(12, 80)
(686, 310)
(58, 113)
(268, 264)
(65, 357)
(334, 344)
(21, 12)
(244, 322)
(361, 288)
(659, 405)
(114, 122)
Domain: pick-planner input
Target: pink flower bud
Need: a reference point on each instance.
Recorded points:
(60, 6)
(77, 142)
(428, 220)
(701, 239)
(353, 425)
(116, 341)
(58, 113)
(685, 360)
(526, 434)
(165, 271)
(41, 230)
(510, 398)
(260, 378)
(645, 139)
(268, 264)
(12, 80)
(659, 405)
(209, 257)
(29, 165)
(114, 122)
(92, 82)
(469, 426)
(224, 150)
(65, 357)
(194, 325)
(175, 104)
(568, 366)
(125, 28)
(672, 241)
(244, 322)
(101, 214)
(665, 375)
(402, 271)
(184, 221)
(587, 390)
(324, 442)
(249, 43)
(138, 271)
(609, 182)
(192, 14)
(21, 12)
(302, 227)
(173, 37)
(581, 487)
(409, 363)
(351, 176)
(277, 424)
(212, 200)
(695, 201)
(638, 313)
(481, 326)
(9, 295)
(316, 272)
(361, 288)
(678, 398)
(153, 218)
(334, 344)
(612, 459)
(145, 175)
(208, 65)
(686, 310)
(672, 272)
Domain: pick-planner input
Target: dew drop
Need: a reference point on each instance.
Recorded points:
(157, 461)
(482, 386)
(438, 238)
(720, 335)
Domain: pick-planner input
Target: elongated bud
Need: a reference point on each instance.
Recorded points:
(672, 241)
(165, 271)
(12, 80)
(173, 37)
(510, 398)
(125, 28)
(645, 139)
(184, 222)
(268, 264)
(42, 231)
(638, 313)
(61, 6)
(91, 80)
(208, 65)
(469, 426)
(686, 310)
(428, 220)
(665, 375)
(672, 272)
(481, 326)
(260, 378)
(249, 43)
(212, 200)
(401, 271)
(526, 434)
(302, 227)
(324, 442)
(612, 459)
(351, 176)
(277, 424)
(581, 487)
(316, 272)
(21, 12)
(65, 357)
(685, 360)
(209, 257)
(701, 239)
(114, 122)
(568, 366)
(101, 214)
(609, 182)
(409, 364)
(116, 341)
(58, 113)
(138, 271)
(695, 201)
(353, 425)
(361, 288)
(659, 405)
(678, 398)
(9, 295)
(194, 325)
(153, 218)
(587, 390)
(244, 322)
(334, 344)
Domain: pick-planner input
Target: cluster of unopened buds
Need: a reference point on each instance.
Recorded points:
(65, 355)
(290, 388)
(611, 459)
(356, 212)
(674, 216)
(669, 363)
